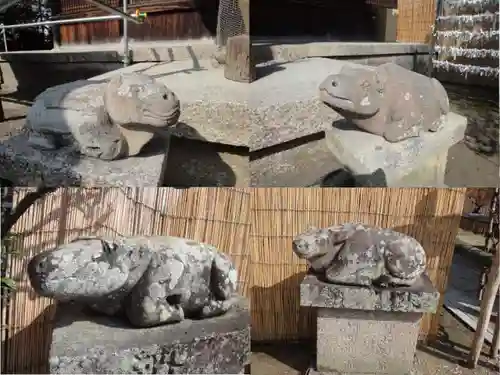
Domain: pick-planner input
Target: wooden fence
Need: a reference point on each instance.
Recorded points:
(415, 20)
(254, 226)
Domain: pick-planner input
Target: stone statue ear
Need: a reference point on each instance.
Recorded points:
(337, 236)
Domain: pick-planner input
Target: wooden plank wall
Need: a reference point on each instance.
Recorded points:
(343, 20)
(167, 20)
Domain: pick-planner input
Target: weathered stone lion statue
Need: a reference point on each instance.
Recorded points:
(387, 100)
(106, 120)
(359, 254)
(149, 280)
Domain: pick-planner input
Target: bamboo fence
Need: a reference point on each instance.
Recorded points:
(415, 20)
(432, 216)
(219, 216)
(254, 226)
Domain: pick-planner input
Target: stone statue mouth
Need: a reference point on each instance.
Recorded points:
(333, 99)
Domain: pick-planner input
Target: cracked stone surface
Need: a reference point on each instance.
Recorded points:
(84, 343)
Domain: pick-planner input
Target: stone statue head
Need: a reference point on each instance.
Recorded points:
(319, 246)
(85, 268)
(358, 91)
(140, 106)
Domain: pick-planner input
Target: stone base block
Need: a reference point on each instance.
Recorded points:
(24, 165)
(421, 297)
(367, 330)
(430, 173)
(91, 344)
(314, 371)
(407, 163)
(366, 342)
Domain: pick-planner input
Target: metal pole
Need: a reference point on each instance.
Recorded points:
(61, 22)
(126, 57)
(4, 39)
(111, 10)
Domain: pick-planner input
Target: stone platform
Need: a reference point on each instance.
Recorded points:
(24, 165)
(300, 140)
(420, 297)
(213, 112)
(83, 344)
(362, 330)
(419, 161)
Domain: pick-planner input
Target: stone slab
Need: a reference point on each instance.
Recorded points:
(140, 51)
(98, 344)
(299, 166)
(294, 48)
(195, 163)
(421, 297)
(285, 101)
(363, 153)
(24, 165)
(362, 342)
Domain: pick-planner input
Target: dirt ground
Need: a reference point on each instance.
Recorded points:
(465, 167)
(445, 357)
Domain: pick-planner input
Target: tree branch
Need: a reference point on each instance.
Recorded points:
(23, 206)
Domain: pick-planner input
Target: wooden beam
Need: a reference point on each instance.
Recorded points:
(239, 66)
(487, 303)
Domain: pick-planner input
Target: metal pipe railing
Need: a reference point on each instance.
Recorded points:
(61, 22)
(126, 56)
(116, 14)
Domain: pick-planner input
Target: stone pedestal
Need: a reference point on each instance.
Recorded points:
(363, 331)
(24, 165)
(413, 162)
(88, 344)
(296, 140)
(214, 113)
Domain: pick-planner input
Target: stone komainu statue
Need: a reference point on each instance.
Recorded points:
(149, 280)
(387, 100)
(359, 254)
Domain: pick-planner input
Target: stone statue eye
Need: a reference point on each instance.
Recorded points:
(165, 96)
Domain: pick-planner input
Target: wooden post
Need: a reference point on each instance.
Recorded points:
(239, 66)
(487, 303)
(2, 114)
(495, 344)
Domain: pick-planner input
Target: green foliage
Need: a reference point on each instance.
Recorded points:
(33, 38)
(8, 284)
